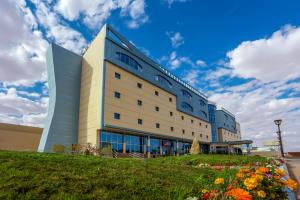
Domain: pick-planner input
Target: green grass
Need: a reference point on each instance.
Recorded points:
(54, 176)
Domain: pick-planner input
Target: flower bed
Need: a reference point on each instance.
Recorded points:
(256, 181)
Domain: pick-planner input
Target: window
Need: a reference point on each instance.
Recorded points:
(171, 114)
(207, 137)
(163, 81)
(117, 116)
(117, 95)
(139, 85)
(203, 113)
(192, 121)
(172, 128)
(170, 99)
(140, 121)
(129, 61)
(200, 124)
(183, 131)
(134, 143)
(202, 102)
(186, 106)
(205, 126)
(186, 94)
(117, 75)
(156, 93)
(182, 117)
(156, 108)
(157, 125)
(139, 102)
(200, 134)
(193, 133)
(113, 139)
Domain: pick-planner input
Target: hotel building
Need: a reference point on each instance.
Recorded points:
(114, 95)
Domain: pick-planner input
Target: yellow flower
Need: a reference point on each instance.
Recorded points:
(261, 194)
(258, 177)
(280, 172)
(291, 184)
(250, 183)
(204, 191)
(219, 181)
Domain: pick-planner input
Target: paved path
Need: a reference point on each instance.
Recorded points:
(293, 165)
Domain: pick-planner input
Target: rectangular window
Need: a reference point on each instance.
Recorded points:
(171, 114)
(117, 116)
(205, 126)
(200, 124)
(139, 102)
(117, 95)
(170, 99)
(200, 134)
(157, 125)
(193, 133)
(182, 117)
(192, 121)
(140, 121)
(183, 131)
(172, 129)
(117, 75)
(156, 108)
(139, 85)
(207, 136)
(156, 93)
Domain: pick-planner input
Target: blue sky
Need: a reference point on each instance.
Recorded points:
(243, 54)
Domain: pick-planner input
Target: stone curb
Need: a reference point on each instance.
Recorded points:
(291, 194)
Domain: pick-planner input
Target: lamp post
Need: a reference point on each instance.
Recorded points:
(278, 122)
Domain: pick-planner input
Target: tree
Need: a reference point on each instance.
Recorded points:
(195, 149)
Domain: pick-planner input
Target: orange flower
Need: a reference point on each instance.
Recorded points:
(244, 170)
(219, 181)
(239, 194)
(291, 184)
(240, 175)
(280, 172)
(250, 183)
(262, 170)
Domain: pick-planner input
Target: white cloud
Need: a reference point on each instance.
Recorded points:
(95, 13)
(176, 39)
(22, 46)
(201, 63)
(170, 2)
(192, 76)
(20, 110)
(269, 59)
(174, 61)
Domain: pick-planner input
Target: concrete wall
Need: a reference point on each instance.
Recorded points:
(92, 92)
(64, 73)
(130, 111)
(19, 138)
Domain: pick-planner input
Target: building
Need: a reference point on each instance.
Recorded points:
(19, 138)
(115, 95)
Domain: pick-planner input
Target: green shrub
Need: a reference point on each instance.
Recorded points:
(59, 148)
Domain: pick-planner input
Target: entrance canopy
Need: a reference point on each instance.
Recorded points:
(239, 142)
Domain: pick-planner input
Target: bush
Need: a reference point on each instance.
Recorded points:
(107, 150)
(59, 148)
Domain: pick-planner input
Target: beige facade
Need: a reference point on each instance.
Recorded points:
(91, 91)
(183, 126)
(226, 136)
(19, 138)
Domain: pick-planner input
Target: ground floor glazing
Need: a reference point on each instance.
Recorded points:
(130, 143)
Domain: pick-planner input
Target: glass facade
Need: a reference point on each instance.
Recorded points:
(212, 120)
(115, 140)
(134, 143)
(138, 144)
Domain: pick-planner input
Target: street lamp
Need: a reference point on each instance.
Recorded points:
(278, 122)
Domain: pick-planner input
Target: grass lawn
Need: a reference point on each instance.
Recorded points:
(55, 176)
